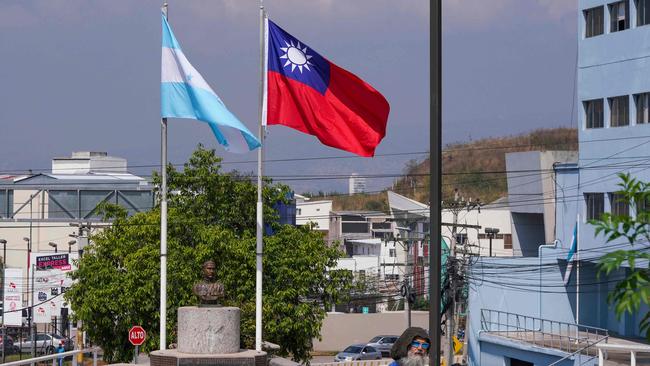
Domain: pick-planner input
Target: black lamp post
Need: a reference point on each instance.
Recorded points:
(491, 232)
(54, 245)
(70, 244)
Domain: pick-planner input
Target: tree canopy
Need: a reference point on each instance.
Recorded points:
(211, 216)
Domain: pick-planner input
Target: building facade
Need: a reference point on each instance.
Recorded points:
(41, 213)
(614, 137)
(356, 184)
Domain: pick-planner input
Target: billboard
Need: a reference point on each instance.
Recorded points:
(13, 297)
(51, 281)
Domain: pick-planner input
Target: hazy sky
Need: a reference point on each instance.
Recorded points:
(85, 75)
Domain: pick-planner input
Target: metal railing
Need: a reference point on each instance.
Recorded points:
(583, 349)
(566, 337)
(55, 358)
(603, 349)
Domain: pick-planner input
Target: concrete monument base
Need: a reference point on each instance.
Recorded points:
(172, 357)
(208, 330)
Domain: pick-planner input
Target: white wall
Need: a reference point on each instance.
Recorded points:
(488, 217)
(317, 212)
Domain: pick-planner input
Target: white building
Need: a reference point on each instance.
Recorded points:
(495, 215)
(356, 184)
(37, 211)
(315, 212)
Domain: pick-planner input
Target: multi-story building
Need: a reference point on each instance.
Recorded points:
(316, 213)
(614, 137)
(356, 184)
(37, 210)
(529, 298)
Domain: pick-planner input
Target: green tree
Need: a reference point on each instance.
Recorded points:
(634, 289)
(211, 216)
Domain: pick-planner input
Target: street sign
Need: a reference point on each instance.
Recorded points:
(137, 335)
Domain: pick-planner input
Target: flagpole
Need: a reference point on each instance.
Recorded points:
(435, 193)
(578, 269)
(163, 228)
(260, 206)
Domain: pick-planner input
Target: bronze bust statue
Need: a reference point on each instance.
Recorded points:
(209, 290)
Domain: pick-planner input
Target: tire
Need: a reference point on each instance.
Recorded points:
(49, 350)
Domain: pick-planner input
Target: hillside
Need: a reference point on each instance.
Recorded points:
(476, 168)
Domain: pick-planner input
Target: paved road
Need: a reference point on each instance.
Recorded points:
(324, 359)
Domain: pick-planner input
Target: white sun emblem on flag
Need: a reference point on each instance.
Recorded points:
(296, 56)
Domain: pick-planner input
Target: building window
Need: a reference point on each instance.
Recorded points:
(299, 211)
(619, 115)
(642, 207)
(619, 14)
(642, 102)
(392, 253)
(620, 205)
(595, 205)
(594, 113)
(461, 238)
(391, 277)
(507, 241)
(6, 203)
(594, 20)
(642, 12)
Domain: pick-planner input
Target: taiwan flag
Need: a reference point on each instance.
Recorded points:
(307, 92)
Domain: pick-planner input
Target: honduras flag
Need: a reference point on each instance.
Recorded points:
(571, 256)
(185, 94)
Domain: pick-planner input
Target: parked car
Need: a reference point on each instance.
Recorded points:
(383, 343)
(358, 352)
(45, 343)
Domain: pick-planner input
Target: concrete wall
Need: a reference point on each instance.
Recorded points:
(531, 195)
(317, 212)
(341, 330)
(488, 217)
(502, 354)
(527, 233)
(495, 285)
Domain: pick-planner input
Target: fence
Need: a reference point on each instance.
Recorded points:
(566, 337)
(55, 358)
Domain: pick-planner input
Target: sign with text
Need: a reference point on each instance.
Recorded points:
(13, 297)
(54, 261)
(137, 335)
(51, 280)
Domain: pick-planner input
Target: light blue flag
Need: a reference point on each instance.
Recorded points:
(185, 94)
(571, 256)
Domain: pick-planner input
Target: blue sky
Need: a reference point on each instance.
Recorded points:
(84, 75)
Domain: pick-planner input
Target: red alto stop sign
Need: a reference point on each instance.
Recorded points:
(137, 335)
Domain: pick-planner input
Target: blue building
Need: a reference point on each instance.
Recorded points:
(515, 303)
(614, 137)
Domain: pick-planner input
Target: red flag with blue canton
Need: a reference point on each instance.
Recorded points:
(312, 95)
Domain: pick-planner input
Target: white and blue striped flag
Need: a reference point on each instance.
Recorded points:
(185, 94)
(571, 256)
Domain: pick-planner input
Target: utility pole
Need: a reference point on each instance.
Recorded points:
(406, 286)
(82, 241)
(32, 326)
(456, 206)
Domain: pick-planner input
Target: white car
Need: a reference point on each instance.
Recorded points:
(45, 343)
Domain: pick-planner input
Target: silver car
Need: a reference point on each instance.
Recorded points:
(357, 352)
(383, 343)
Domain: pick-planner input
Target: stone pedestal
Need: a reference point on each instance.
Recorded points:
(208, 336)
(171, 357)
(208, 330)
